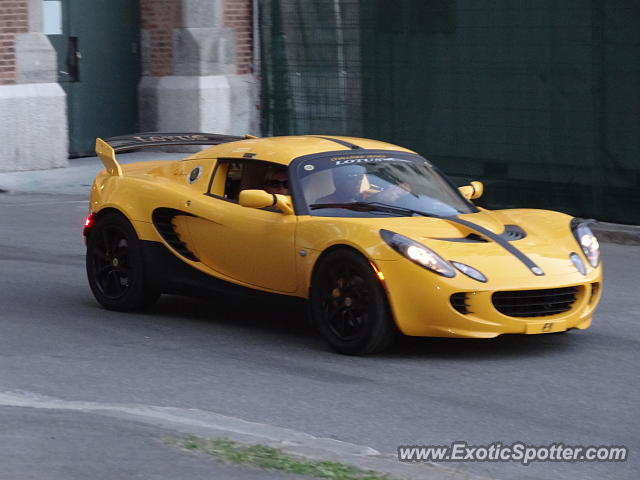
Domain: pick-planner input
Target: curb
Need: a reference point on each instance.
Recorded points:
(208, 424)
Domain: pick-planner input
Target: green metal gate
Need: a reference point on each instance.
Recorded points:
(99, 68)
(540, 100)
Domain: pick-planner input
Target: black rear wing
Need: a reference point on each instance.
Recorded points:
(162, 139)
(106, 149)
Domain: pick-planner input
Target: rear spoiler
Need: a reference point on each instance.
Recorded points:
(106, 149)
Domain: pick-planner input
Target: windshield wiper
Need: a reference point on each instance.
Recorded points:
(373, 206)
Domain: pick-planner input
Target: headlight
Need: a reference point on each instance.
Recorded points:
(417, 253)
(470, 271)
(587, 241)
(578, 263)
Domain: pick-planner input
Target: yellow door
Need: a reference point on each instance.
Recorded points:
(247, 245)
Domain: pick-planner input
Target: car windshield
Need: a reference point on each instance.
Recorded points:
(342, 185)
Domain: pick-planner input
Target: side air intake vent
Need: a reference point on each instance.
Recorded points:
(163, 221)
(513, 232)
(459, 302)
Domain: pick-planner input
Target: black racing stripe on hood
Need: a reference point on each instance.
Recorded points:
(530, 264)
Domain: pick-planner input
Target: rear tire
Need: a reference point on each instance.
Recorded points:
(115, 265)
(349, 306)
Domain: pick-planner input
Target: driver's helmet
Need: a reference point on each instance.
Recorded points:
(348, 176)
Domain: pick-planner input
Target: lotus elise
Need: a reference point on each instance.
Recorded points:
(371, 236)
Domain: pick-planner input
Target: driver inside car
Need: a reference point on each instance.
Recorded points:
(276, 182)
(347, 182)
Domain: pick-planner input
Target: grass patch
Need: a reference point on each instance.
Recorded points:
(269, 458)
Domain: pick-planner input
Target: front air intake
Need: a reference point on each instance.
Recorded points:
(535, 303)
(595, 287)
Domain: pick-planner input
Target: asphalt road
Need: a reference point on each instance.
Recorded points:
(248, 362)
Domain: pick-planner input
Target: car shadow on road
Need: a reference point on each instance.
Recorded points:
(288, 322)
(285, 317)
(512, 345)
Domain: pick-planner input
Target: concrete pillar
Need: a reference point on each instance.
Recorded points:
(204, 94)
(33, 127)
(35, 56)
(35, 59)
(33, 124)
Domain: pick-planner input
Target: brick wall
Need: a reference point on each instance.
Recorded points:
(14, 18)
(238, 14)
(159, 18)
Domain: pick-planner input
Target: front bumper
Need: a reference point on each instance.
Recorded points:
(421, 302)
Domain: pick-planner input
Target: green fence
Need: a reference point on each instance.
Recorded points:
(539, 99)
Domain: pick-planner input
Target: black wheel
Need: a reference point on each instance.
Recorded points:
(349, 306)
(115, 266)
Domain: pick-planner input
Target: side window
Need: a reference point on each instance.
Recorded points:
(233, 180)
(233, 175)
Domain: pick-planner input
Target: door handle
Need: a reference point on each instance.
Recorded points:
(73, 59)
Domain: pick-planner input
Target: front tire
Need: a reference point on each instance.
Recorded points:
(115, 266)
(349, 306)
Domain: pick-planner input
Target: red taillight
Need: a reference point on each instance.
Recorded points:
(88, 222)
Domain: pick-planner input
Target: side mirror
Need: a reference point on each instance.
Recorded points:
(472, 191)
(262, 199)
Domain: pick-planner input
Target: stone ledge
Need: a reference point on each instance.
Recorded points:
(35, 59)
(33, 127)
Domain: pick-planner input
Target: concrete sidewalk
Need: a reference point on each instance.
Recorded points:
(617, 233)
(78, 177)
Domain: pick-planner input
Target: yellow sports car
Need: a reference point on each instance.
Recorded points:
(371, 234)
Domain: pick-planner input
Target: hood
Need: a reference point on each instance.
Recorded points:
(530, 238)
